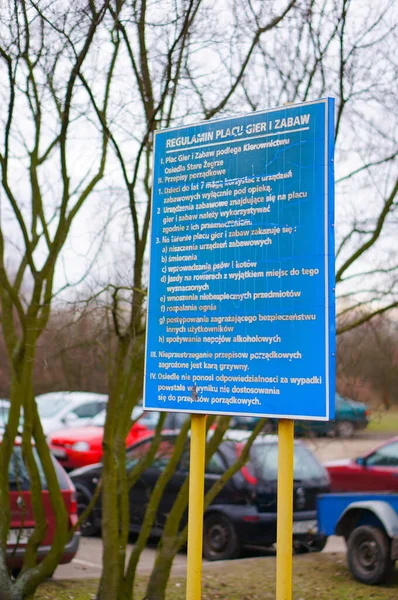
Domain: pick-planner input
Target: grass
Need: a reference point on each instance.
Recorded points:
(316, 577)
(383, 421)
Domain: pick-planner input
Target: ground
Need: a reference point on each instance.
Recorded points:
(385, 421)
(316, 577)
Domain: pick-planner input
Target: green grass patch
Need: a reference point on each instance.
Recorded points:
(316, 577)
(385, 421)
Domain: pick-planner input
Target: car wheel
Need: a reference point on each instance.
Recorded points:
(88, 527)
(345, 429)
(319, 544)
(369, 555)
(220, 541)
(316, 545)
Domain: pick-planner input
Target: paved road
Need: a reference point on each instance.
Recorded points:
(87, 563)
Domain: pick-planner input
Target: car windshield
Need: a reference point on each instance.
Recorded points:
(144, 418)
(4, 412)
(149, 420)
(50, 406)
(18, 474)
(264, 458)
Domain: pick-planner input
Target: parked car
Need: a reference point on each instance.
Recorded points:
(22, 520)
(350, 416)
(243, 513)
(376, 470)
(69, 409)
(82, 446)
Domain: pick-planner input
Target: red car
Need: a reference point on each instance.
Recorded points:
(81, 446)
(22, 520)
(375, 471)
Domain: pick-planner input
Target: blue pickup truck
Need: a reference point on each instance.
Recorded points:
(369, 524)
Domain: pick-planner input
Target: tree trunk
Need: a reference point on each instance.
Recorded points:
(156, 589)
(110, 580)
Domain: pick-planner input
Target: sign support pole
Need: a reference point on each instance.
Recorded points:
(195, 507)
(284, 541)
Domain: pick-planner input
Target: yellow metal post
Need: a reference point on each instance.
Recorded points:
(195, 507)
(284, 540)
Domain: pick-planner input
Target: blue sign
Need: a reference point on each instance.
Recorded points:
(241, 316)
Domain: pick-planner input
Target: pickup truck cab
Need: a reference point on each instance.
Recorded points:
(369, 524)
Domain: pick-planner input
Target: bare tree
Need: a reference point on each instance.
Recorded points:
(43, 50)
(184, 65)
(367, 362)
(340, 49)
(320, 48)
(163, 51)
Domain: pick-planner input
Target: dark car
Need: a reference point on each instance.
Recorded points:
(244, 512)
(375, 471)
(22, 518)
(350, 416)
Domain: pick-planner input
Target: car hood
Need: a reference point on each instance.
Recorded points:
(50, 424)
(341, 462)
(93, 469)
(78, 434)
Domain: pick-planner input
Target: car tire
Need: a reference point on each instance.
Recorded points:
(345, 429)
(316, 545)
(368, 554)
(220, 541)
(88, 528)
(319, 544)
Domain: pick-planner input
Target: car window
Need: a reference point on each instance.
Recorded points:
(175, 420)
(215, 465)
(162, 456)
(18, 475)
(264, 458)
(134, 455)
(88, 410)
(387, 456)
(148, 419)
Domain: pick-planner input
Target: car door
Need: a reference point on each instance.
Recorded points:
(216, 466)
(141, 492)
